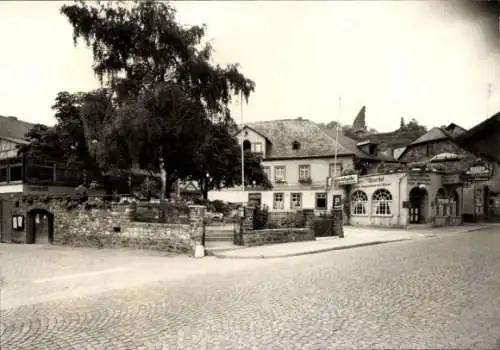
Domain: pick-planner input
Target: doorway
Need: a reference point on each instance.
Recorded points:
(418, 205)
(40, 227)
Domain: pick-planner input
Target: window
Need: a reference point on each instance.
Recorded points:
(304, 172)
(321, 200)
(254, 199)
(279, 174)
(279, 201)
(335, 171)
(296, 145)
(257, 147)
(441, 203)
(267, 171)
(296, 201)
(359, 201)
(430, 149)
(382, 202)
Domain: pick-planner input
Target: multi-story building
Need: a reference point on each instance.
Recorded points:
(483, 140)
(441, 147)
(300, 159)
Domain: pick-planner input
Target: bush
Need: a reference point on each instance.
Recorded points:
(260, 218)
(300, 219)
(322, 227)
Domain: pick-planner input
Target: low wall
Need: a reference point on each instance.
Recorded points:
(174, 238)
(274, 236)
(111, 227)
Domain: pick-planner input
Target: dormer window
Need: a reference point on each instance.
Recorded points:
(296, 145)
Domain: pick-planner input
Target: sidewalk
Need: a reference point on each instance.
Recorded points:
(354, 237)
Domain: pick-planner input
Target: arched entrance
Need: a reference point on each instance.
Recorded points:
(418, 205)
(455, 205)
(40, 227)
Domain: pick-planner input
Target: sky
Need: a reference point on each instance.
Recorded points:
(425, 60)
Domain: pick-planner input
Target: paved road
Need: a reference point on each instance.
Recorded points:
(433, 293)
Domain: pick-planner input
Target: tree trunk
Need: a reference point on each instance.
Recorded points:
(163, 176)
(204, 189)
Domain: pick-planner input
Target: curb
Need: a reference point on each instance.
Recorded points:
(323, 250)
(477, 229)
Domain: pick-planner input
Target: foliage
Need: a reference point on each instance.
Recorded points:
(322, 226)
(218, 162)
(260, 217)
(413, 126)
(169, 107)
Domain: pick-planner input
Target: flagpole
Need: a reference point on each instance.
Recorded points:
(336, 148)
(242, 154)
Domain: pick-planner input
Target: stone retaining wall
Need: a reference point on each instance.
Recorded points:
(274, 236)
(112, 227)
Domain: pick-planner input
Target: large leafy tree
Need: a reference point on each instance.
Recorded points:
(219, 162)
(164, 83)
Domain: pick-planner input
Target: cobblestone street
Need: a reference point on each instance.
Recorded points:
(441, 292)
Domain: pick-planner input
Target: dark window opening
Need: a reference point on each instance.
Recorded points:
(321, 200)
(247, 145)
(296, 145)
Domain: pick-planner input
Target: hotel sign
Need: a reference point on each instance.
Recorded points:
(347, 180)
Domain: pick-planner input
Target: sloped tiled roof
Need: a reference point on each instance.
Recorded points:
(433, 134)
(455, 130)
(14, 128)
(314, 141)
(352, 145)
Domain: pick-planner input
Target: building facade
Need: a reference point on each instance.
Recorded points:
(300, 159)
(403, 199)
(443, 148)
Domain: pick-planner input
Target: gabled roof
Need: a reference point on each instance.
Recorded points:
(455, 129)
(488, 129)
(433, 134)
(247, 126)
(14, 128)
(13, 140)
(314, 141)
(352, 145)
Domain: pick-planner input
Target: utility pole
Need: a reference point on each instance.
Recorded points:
(336, 148)
(242, 154)
(488, 96)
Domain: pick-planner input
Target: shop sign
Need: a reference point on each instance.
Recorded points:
(373, 181)
(419, 179)
(452, 179)
(347, 180)
(479, 172)
(38, 189)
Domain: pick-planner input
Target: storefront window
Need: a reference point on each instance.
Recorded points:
(359, 201)
(441, 203)
(382, 202)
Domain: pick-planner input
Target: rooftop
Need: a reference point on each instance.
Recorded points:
(313, 140)
(14, 129)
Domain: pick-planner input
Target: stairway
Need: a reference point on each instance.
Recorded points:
(219, 238)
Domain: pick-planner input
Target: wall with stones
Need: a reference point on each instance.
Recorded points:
(275, 236)
(111, 227)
